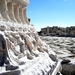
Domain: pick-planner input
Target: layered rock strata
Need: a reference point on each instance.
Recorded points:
(13, 11)
(26, 53)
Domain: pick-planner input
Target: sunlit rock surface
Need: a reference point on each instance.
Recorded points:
(26, 53)
(64, 47)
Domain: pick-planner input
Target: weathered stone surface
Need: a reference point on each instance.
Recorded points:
(29, 56)
(11, 67)
(62, 47)
(1, 58)
(2, 28)
(17, 72)
(3, 50)
(65, 61)
(12, 28)
(11, 10)
(18, 48)
(3, 55)
(53, 57)
(22, 49)
(29, 44)
(68, 69)
(40, 49)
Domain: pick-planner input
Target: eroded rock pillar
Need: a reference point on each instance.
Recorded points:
(25, 17)
(16, 12)
(11, 11)
(21, 15)
(3, 10)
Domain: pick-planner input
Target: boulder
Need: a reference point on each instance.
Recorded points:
(68, 69)
(65, 61)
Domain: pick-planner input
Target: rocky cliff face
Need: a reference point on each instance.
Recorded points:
(22, 52)
(26, 51)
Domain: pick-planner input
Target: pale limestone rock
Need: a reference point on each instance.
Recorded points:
(29, 44)
(40, 49)
(22, 49)
(15, 35)
(8, 44)
(12, 28)
(24, 46)
(13, 10)
(29, 56)
(2, 28)
(13, 40)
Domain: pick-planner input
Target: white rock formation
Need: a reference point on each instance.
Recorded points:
(25, 49)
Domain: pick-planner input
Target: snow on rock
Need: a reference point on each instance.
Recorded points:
(26, 50)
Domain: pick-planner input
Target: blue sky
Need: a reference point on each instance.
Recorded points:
(45, 13)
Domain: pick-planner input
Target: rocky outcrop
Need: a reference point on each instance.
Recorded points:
(14, 11)
(23, 46)
(64, 47)
(26, 53)
(68, 68)
(58, 31)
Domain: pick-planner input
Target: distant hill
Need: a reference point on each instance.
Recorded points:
(58, 31)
